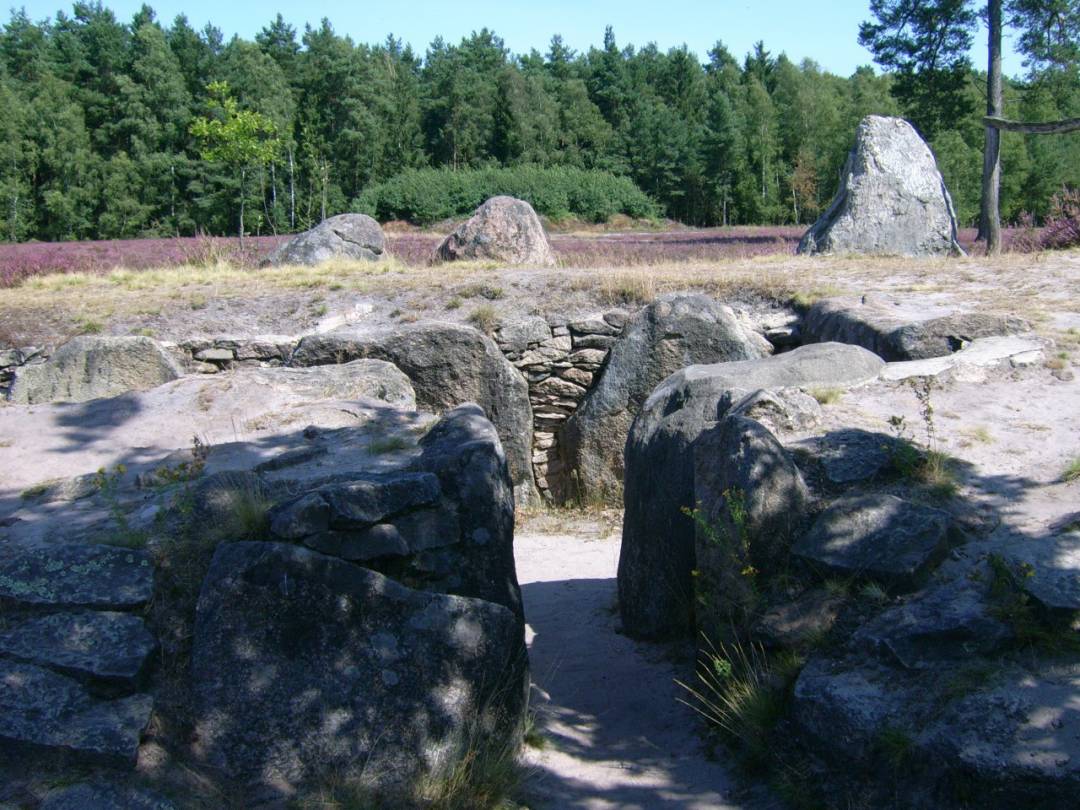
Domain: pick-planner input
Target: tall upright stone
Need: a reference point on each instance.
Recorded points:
(892, 199)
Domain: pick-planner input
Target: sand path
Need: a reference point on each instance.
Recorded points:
(616, 735)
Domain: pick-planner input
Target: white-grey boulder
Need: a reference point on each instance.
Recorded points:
(503, 229)
(345, 236)
(892, 199)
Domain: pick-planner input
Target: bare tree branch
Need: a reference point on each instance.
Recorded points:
(1044, 128)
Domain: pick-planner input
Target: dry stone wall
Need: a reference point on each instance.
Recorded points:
(560, 359)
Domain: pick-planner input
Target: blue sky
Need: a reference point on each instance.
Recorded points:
(825, 32)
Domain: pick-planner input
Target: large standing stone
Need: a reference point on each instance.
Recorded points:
(666, 336)
(503, 229)
(305, 665)
(464, 452)
(892, 198)
(750, 501)
(345, 236)
(95, 367)
(449, 365)
(897, 329)
(657, 554)
(878, 536)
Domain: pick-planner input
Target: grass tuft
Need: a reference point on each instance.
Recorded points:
(485, 318)
(389, 444)
(1071, 471)
(743, 695)
(826, 396)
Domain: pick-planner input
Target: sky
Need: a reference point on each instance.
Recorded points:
(825, 32)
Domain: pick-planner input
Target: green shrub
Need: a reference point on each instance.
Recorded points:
(424, 196)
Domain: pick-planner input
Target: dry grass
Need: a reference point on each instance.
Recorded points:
(1030, 285)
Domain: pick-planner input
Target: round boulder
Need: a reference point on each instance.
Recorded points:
(346, 236)
(504, 229)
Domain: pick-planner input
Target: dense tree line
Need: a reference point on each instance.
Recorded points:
(99, 136)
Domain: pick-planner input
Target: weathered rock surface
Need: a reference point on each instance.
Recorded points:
(255, 405)
(892, 198)
(1051, 569)
(657, 553)
(949, 624)
(1018, 742)
(669, 334)
(801, 622)
(751, 501)
(1011, 736)
(305, 664)
(879, 536)
(899, 329)
(88, 368)
(43, 710)
(103, 796)
(107, 648)
(464, 452)
(392, 515)
(974, 362)
(441, 519)
(76, 576)
(358, 379)
(503, 229)
(345, 236)
(849, 455)
(448, 364)
(781, 411)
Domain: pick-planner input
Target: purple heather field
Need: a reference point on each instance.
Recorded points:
(22, 261)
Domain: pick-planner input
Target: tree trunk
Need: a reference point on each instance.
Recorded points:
(243, 173)
(292, 193)
(271, 215)
(990, 219)
(324, 178)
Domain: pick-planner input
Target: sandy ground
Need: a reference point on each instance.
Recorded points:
(616, 735)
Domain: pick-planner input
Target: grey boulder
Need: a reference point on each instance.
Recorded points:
(951, 623)
(1049, 569)
(898, 329)
(345, 236)
(669, 334)
(105, 648)
(77, 576)
(750, 503)
(449, 365)
(657, 553)
(305, 664)
(40, 709)
(892, 199)
(88, 368)
(877, 536)
(503, 229)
